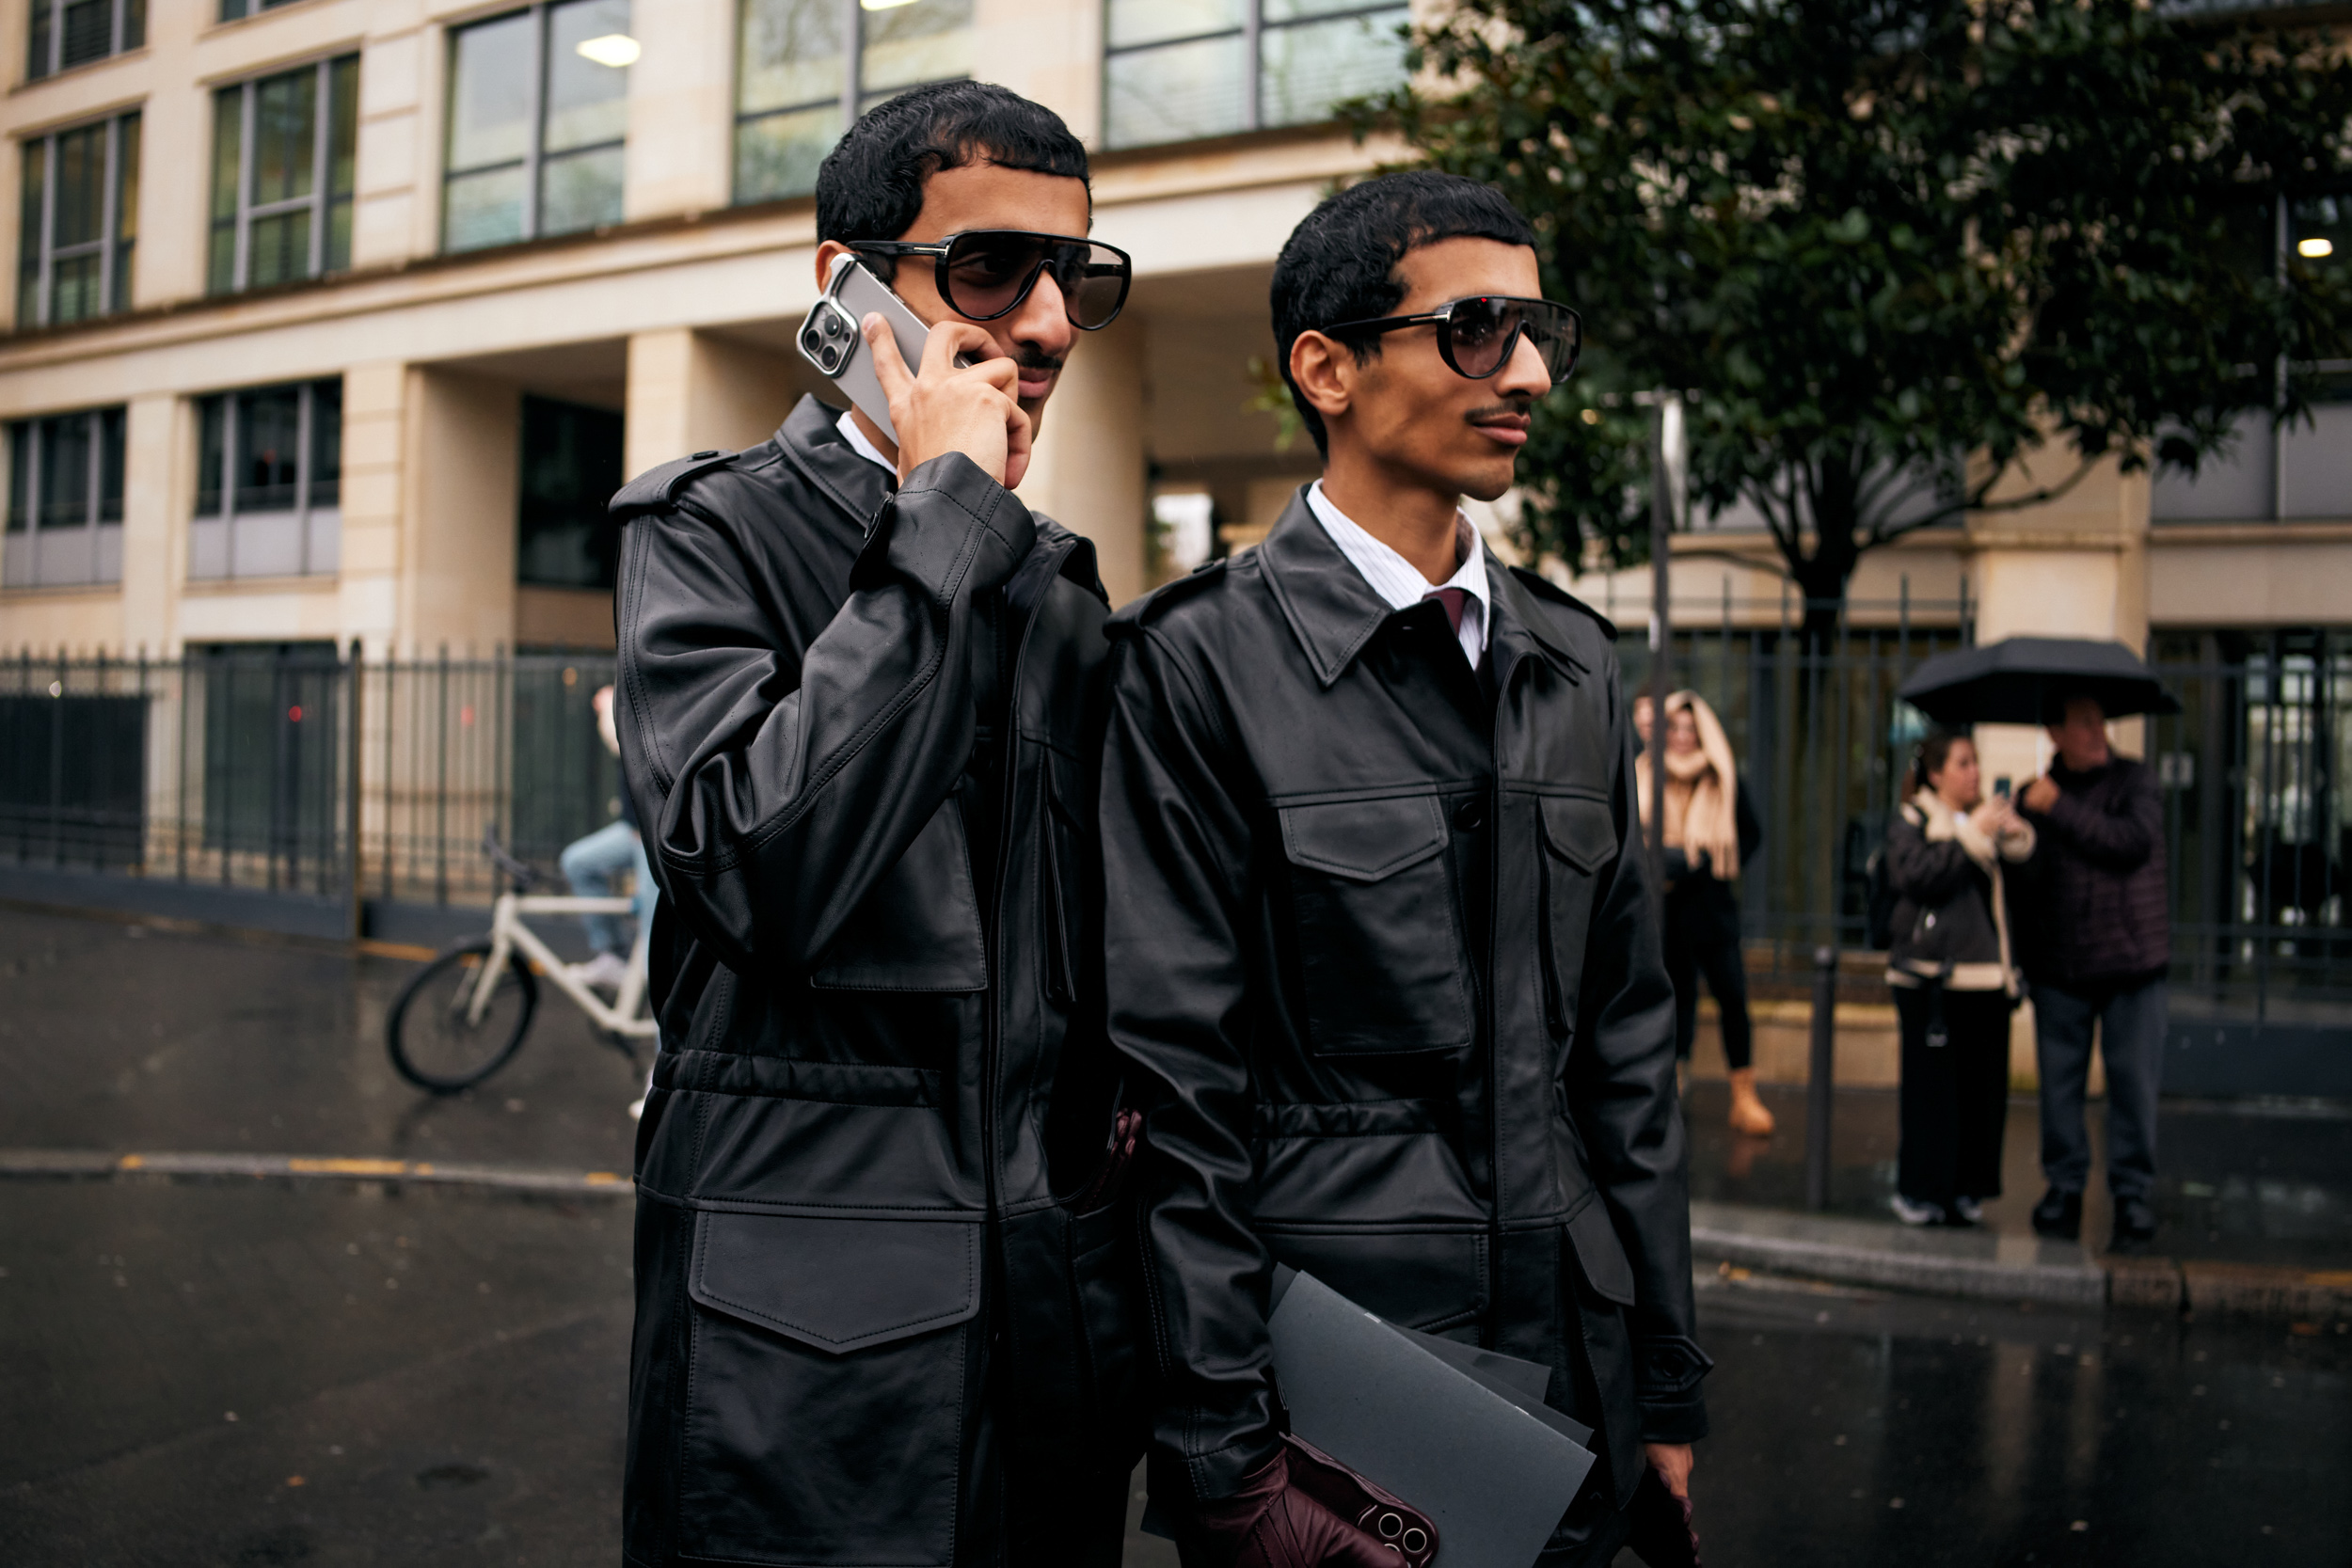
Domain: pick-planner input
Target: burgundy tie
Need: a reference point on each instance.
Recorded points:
(1452, 598)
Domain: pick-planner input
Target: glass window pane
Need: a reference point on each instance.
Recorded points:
(791, 54)
(571, 465)
(81, 199)
(74, 285)
(64, 472)
(338, 234)
(133, 24)
(1134, 22)
(483, 209)
(580, 190)
(36, 50)
(228, 133)
(28, 236)
(20, 477)
(285, 135)
(110, 433)
(327, 443)
(277, 249)
(2320, 233)
(490, 100)
(587, 100)
(343, 148)
(269, 434)
(777, 155)
(918, 41)
(126, 209)
(211, 415)
(1308, 69)
(89, 28)
(1175, 94)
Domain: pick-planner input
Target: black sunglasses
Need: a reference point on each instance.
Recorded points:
(1478, 336)
(986, 272)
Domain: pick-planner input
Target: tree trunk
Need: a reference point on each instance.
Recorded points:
(1824, 575)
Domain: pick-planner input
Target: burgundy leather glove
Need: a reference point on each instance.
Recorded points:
(1662, 1536)
(1273, 1523)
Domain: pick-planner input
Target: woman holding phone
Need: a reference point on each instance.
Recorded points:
(1953, 981)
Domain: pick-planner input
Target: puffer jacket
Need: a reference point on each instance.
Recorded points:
(2100, 910)
(1951, 920)
(869, 1328)
(1383, 958)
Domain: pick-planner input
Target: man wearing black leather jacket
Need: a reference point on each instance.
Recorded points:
(1380, 951)
(874, 1325)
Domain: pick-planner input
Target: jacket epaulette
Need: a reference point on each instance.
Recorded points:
(1155, 603)
(657, 489)
(1548, 589)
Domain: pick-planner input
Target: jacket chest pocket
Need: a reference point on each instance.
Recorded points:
(1579, 842)
(917, 928)
(824, 1421)
(1380, 950)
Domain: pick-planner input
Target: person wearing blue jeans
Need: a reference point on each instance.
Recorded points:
(2101, 943)
(590, 866)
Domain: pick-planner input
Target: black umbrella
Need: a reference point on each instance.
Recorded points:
(2027, 680)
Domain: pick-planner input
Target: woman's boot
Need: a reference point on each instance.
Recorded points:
(1748, 1115)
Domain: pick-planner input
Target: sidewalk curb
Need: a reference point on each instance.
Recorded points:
(72, 1164)
(1860, 1252)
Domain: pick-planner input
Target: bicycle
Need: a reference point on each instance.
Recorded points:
(464, 1015)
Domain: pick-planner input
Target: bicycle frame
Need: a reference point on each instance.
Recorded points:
(509, 935)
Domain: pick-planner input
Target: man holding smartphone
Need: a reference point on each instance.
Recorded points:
(1381, 952)
(878, 1316)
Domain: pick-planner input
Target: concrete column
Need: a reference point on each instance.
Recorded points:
(396, 208)
(1088, 469)
(1047, 50)
(463, 458)
(376, 411)
(681, 107)
(155, 505)
(690, 391)
(175, 133)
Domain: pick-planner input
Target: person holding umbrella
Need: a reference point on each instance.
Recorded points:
(2103, 943)
(1954, 982)
(2098, 938)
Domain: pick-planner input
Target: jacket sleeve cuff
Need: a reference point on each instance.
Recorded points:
(1673, 1417)
(927, 530)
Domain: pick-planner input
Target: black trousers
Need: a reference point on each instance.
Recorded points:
(1703, 938)
(1955, 1097)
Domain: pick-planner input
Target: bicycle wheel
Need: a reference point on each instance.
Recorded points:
(435, 1041)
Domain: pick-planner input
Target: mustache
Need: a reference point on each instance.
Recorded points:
(1514, 403)
(1036, 360)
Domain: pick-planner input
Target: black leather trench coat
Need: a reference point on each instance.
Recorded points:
(867, 1330)
(1384, 962)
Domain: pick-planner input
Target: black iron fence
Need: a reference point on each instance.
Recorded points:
(234, 769)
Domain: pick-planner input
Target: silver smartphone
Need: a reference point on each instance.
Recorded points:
(829, 339)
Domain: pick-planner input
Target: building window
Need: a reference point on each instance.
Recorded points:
(1176, 69)
(283, 160)
(78, 222)
(67, 33)
(237, 10)
(571, 466)
(795, 91)
(65, 500)
(269, 482)
(538, 123)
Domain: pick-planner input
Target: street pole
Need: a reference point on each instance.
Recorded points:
(1819, 1080)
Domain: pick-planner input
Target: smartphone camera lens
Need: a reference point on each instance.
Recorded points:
(811, 342)
(833, 327)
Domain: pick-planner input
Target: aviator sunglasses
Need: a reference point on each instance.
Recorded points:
(986, 272)
(1477, 337)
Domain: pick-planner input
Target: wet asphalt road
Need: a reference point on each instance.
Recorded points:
(261, 1374)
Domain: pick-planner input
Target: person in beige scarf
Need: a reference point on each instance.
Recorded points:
(1710, 831)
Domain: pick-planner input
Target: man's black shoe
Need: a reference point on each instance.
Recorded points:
(2060, 1214)
(2135, 1223)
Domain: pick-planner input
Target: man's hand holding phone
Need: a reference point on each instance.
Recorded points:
(940, 408)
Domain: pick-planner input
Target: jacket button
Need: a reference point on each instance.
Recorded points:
(1470, 813)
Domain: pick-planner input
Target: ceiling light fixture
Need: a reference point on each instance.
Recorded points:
(617, 50)
(882, 5)
(2314, 248)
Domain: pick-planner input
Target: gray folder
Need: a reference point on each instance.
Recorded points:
(1448, 1428)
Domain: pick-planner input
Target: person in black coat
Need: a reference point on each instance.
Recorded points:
(1712, 835)
(1380, 950)
(1955, 981)
(880, 1297)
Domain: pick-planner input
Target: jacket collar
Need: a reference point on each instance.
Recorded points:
(810, 439)
(1333, 611)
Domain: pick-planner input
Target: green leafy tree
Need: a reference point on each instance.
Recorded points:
(1906, 259)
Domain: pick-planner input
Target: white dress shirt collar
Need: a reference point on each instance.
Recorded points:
(1398, 581)
(864, 448)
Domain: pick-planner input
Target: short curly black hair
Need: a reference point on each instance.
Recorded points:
(1339, 264)
(871, 186)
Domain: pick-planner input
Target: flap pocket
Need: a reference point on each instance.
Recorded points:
(1364, 841)
(837, 1285)
(918, 928)
(1600, 1255)
(1579, 831)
